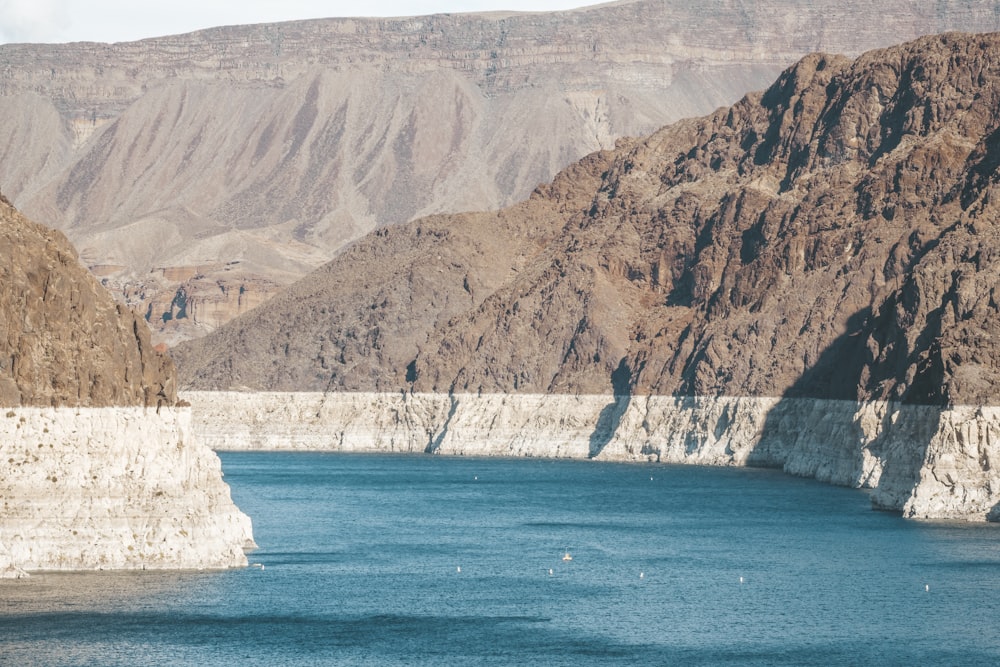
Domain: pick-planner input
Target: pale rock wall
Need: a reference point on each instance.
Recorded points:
(960, 476)
(925, 461)
(465, 425)
(114, 487)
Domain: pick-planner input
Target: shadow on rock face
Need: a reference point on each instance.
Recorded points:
(836, 425)
(611, 415)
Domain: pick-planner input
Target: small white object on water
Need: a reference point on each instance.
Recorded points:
(642, 575)
(550, 571)
(741, 580)
(927, 587)
(458, 569)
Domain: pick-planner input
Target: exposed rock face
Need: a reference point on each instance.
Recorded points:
(256, 152)
(924, 461)
(359, 322)
(822, 251)
(829, 238)
(199, 305)
(66, 342)
(107, 488)
(97, 466)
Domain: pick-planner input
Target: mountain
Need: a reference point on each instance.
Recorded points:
(830, 237)
(98, 467)
(802, 280)
(199, 173)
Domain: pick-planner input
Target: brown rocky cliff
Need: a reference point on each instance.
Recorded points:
(842, 227)
(360, 322)
(831, 238)
(64, 339)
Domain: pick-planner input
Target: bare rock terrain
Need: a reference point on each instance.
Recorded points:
(65, 340)
(199, 173)
(804, 279)
(98, 467)
(828, 238)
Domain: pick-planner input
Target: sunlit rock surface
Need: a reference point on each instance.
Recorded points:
(925, 461)
(112, 488)
(190, 166)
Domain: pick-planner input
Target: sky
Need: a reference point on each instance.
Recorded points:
(126, 20)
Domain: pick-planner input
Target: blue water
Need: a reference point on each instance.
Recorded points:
(361, 560)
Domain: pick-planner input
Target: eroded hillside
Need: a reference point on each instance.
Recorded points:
(831, 237)
(199, 173)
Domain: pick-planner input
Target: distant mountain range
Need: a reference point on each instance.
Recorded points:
(833, 237)
(198, 174)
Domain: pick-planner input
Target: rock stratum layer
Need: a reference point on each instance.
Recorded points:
(98, 467)
(925, 461)
(199, 173)
(114, 488)
(830, 239)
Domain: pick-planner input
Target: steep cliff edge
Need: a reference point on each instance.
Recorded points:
(98, 468)
(248, 155)
(924, 461)
(828, 242)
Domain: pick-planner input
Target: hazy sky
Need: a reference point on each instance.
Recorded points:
(125, 20)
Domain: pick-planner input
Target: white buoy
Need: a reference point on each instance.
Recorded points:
(550, 571)
(642, 575)
(741, 580)
(927, 587)
(458, 569)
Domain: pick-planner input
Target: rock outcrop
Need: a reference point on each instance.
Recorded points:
(114, 488)
(829, 239)
(98, 467)
(66, 342)
(256, 152)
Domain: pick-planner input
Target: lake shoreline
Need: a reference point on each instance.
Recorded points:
(926, 462)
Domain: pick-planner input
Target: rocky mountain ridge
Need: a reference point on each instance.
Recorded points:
(829, 238)
(803, 280)
(243, 157)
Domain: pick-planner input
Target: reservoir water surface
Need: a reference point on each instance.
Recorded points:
(417, 560)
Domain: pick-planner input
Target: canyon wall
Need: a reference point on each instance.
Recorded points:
(823, 251)
(98, 465)
(924, 461)
(832, 237)
(114, 488)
